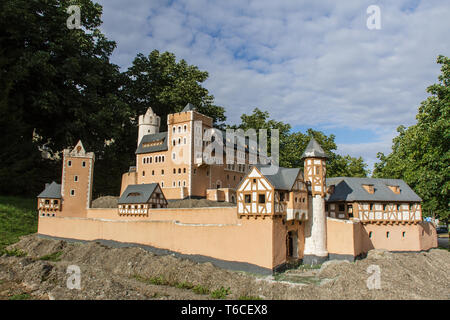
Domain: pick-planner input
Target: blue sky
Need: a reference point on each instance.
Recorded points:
(313, 64)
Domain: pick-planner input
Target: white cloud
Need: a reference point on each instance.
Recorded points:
(309, 63)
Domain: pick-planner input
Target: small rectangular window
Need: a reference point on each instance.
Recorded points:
(83, 164)
(341, 207)
(75, 178)
(69, 163)
(72, 192)
(248, 198)
(262, 198)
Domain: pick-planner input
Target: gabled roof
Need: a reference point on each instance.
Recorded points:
(284, 179)
(314, 150)
(52, 190)
(153, 138)
(351, 189)
(188, 107)
(137, 193)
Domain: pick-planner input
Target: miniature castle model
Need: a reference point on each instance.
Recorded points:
(289, 216)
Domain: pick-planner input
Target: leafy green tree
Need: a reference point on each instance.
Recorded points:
(421, 153)
(160, 82)
(57, 86)
(292, 145)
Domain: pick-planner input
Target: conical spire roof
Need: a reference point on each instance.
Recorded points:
(314, 150)
(188, 107)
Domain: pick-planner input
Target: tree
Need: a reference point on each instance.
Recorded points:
(292, 145)
(420, 153)
(160, 82)
(57, 86)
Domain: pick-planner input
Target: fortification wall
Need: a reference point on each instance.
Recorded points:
(350, 238)
(210, 232)
(414, 237)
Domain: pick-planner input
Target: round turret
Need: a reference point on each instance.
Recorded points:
(148, 124)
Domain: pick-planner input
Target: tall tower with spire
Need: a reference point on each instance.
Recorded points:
(148, 124)
(77, 180)
(316, 226)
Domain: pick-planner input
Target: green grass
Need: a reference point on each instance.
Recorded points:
(161, 281)
(18, 217)
(22, 296)
(13, 253)
(249, 298)
(199, 289)
(55, 256)
(220, 293)
(309, 266)
(184, 285)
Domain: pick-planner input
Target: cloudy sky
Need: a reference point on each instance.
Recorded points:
(313, 64)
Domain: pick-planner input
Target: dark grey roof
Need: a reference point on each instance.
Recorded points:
(313, 149)
(282, 180)
(144, 190)
(151, 138)
(188, 107)
(52, 190)
(351, 189)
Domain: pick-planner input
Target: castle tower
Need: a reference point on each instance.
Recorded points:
(76, 184)
(316, 225)
(148, 124)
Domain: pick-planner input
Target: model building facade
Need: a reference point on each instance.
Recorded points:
(281, 216)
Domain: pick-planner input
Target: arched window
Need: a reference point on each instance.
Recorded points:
(162, 183)
(143, 173)
(185, 128)
(174, 170)
(179, 140)
(162, 158)
(184, 140)
(184, 183)
(174, 142)
(179, 170)
(173, 130)
(179, 129)
(162, 172)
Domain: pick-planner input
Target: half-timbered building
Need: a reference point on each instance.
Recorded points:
(49, 200)
(137, 199)
(372, 200)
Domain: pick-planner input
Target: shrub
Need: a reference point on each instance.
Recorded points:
(220, 293)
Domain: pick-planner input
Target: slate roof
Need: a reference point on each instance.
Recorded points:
(351, 189)
(313, 149)
(282, 180)
(52, 190)
(144, 190)
(151, 138)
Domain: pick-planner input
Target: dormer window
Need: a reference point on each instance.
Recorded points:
(369, 188)
(395, 189)
(134, 194)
